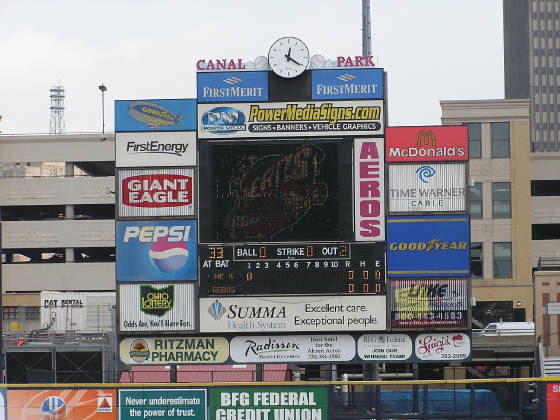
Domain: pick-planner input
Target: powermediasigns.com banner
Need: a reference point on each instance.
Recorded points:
(244, 120)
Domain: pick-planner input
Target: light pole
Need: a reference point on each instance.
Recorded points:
(103, 89)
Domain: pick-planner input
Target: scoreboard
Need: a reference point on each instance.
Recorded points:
(292, 268)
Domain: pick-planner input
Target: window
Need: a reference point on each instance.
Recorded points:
(499, 135)
(501, 200)
(545, 231)
(475, 140)
(502, 260)
(9, 312)
(476, 260)
(476, 200)
(548, 188)
(32, 312)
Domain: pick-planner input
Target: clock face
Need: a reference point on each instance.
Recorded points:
(288, 57)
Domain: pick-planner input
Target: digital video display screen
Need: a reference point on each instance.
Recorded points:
(275, 191)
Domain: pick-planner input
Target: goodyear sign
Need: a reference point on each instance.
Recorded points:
(347, 84)
(232, 86)
(166, 350)
(428, 246)
(155, 115)
(243, 120)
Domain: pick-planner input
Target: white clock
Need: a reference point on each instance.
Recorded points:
(288, 57)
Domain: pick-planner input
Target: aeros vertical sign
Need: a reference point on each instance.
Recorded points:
(369, 180)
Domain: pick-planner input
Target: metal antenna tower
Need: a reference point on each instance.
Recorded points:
(366, 28)
(57, 110)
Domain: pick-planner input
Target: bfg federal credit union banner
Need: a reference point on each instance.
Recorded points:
(277, 119)
(272, 403)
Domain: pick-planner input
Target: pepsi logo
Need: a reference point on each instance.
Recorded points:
(168, 257)
(53, 408)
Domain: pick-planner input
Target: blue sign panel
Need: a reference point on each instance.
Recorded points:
(155, 115)
(428, 246)
(240, 86)
(159, 250)
(347, 84)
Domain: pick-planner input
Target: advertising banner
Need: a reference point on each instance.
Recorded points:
(428, 246)
(369, 193)
(427, 187)
(293, 348)
(67, 404)
(232, 86)
(553, 401)
(155, 115)
(156, 192)
(444, 346)
(166, 350)
(162, 250)
(385, 347)
(155, 149)
(157, 307)
(276, 314)
(420, 303)
(274, 119)
(427, 144)
(347, 84)
(162, 404)
(272, 403)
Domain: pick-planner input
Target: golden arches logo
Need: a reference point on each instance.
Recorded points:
(426, 136)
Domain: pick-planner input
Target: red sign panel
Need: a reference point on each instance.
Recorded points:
(553, 401)
(157, 190)
(427, 144)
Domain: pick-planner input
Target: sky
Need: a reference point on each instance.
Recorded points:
(432, 50)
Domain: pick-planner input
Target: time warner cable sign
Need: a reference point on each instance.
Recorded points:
(159, 250)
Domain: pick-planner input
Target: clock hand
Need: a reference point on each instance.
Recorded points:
(291, 59)
(288, 55)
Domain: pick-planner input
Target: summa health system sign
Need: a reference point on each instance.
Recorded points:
(274, 119)
(292, 313)
(427, 144)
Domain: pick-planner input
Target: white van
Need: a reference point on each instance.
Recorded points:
(509, 328)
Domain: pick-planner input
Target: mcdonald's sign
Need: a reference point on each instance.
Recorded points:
(427, 144)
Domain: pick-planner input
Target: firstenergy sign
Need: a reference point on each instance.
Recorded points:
(243, 120)
(427, 144)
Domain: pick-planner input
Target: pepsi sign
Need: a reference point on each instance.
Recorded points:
(232, 86)
(428, 246)
(157, 251)
(347, 84)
